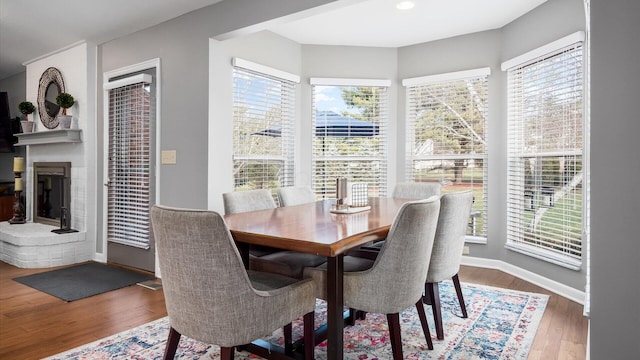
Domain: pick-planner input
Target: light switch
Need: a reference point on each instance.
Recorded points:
(168, 157)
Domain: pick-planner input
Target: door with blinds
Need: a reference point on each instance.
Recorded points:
(129, 169)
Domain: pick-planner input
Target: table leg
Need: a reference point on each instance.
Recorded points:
(335, 304)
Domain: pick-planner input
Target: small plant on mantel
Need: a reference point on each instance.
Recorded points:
(26, 108)
(65, 101)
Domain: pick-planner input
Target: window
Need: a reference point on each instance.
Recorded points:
(349, 134)
(446, 136)
(263, 118)
(546, 151)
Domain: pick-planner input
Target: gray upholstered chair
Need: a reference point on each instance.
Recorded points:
(263, 258)
(289, 196)
(249, 200)
(416, 190)
(455, 209)
(406, 190)
(209, 295)
(395, 280)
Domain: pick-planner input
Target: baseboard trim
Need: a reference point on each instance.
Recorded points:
(545, 283)
(100, 257)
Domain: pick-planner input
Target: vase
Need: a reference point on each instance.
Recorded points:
(27, 126)
(65, 121)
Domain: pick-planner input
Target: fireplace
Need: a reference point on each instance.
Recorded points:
(52, 195)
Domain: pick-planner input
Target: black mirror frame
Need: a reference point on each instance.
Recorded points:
(49, 76)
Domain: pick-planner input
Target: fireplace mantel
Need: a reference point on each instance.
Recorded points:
(49, 137)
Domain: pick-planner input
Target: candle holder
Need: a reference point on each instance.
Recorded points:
(18, 208)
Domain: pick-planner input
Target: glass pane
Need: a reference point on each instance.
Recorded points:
(349, 137)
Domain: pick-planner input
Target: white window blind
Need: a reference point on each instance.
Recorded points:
(263, 117)
(545, 156)
(130, 112)
(446, 136)
(349, 137)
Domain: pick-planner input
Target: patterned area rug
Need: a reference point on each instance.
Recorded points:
(501, 325)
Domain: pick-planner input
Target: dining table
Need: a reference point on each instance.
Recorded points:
(313, 228)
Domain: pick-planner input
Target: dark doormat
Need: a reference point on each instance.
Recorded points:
(81, 281)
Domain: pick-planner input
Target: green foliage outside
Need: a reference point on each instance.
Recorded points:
(450, 120)
(563, 221)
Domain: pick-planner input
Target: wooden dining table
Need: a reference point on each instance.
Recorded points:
(313, 228)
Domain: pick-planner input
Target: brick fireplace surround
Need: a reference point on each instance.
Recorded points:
(33, 245)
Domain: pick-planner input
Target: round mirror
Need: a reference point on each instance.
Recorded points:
(50, 99)
(51, 85)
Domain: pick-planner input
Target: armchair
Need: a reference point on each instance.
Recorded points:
(395, 280)
(209, 295)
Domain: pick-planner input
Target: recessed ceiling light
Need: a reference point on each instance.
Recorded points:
(405, 5)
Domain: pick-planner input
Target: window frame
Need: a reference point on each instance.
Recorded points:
(382, 158)
(410, 158)
(286, 127)
(513, 242)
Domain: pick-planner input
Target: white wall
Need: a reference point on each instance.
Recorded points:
(77, 66)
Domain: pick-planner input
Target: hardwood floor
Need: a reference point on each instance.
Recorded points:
(34, 325)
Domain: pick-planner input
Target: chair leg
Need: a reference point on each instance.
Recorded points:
(172, 344)
(353, 316)
(287, 331)
(226, 353)
(456, 284)
(425, 325)
(394, 335)
(426, 298)
(434, 294)
(309, 336)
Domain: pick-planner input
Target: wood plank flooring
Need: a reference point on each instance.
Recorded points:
(34, 325)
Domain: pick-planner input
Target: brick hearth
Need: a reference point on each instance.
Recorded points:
(33, 245)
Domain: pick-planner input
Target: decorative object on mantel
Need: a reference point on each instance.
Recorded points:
(26, 108)
(51, 84)
(65, 101)
(18, 208)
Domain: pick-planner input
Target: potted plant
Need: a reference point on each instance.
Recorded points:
(26, 108)
(65, 101)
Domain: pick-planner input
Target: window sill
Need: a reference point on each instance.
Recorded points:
(475, 239)
(49, 137)
(548, 256)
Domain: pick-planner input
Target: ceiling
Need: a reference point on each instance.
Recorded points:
(32, 28)
(379, 23)
(353, 22)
